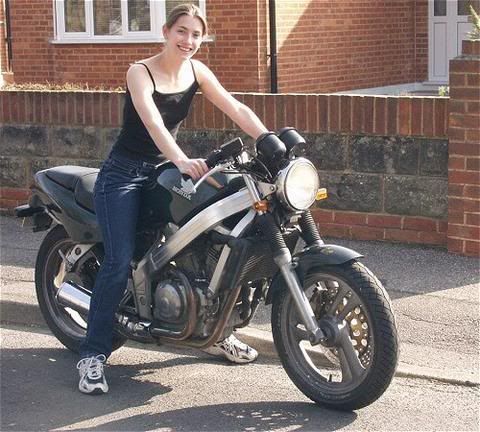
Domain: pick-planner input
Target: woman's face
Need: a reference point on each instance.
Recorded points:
(185, 36)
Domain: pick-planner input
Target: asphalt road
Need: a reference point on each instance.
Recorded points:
(435, 298)
(160, 390)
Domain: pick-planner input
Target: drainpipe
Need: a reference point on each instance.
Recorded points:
(415, 71)
(8, 37)
(273, 47)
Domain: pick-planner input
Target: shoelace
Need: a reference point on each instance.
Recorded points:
(234, 345)
(92, 366)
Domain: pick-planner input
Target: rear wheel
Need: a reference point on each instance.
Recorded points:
(66, 324)
(358, 362)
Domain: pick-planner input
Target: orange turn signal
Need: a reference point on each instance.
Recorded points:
(261, 206)
(321, 194)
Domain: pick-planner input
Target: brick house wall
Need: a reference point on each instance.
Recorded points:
(315, 41)
(329, 46)
(238, 55)
(3, 49)
(234, 56)
(420, 12)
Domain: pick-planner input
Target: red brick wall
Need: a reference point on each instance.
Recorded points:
(372, 226)
(328, 45)
(420, 12)
(239, 38)
(31, 23)
(324, 45)
(3, 51)
(425, 117)
(234, 56)
(355, 115)
(264, 80)
(464, 150)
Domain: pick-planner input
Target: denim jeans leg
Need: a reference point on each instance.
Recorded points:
(117, 201)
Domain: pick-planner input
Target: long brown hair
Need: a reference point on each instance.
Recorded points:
(187, 9)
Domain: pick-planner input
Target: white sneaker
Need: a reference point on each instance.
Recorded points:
(234, 350)
(92, 376)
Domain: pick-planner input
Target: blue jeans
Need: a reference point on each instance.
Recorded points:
(117, 203)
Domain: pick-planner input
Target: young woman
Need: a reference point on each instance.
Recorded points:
(160, 90)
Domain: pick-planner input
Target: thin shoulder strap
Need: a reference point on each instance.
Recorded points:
(193, 69)
(149, 73)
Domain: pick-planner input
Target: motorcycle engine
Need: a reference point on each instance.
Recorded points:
(170, 302)
(192, 270)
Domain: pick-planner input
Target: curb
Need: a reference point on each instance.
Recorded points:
(17, 314)
(262, 341)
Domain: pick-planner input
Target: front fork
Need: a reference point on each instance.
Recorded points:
(283, 259)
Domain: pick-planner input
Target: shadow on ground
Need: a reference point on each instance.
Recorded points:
(251, 417)
(60, 405)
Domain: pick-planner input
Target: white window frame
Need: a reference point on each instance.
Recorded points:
(157, 20)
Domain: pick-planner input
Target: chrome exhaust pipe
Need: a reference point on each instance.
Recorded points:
(74, 296)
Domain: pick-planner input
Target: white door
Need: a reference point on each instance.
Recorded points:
(448, 25)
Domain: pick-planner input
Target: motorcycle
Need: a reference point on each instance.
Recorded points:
(207, 253)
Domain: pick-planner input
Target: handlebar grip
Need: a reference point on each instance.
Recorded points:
(213, 158)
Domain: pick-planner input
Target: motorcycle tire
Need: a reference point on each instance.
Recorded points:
(68, 326)
(359, 361)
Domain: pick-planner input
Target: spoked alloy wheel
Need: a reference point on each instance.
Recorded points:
(66, 324)
(355, 366)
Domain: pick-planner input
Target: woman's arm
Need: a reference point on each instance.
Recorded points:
(242, 115)
(141, 89)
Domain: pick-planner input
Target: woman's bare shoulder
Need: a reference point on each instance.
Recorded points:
(147, 60)
(138, 78)
(136, 70)
(199, 65)
(140, 64)
(202, 70)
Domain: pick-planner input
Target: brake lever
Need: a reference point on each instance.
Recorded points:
(191, 188)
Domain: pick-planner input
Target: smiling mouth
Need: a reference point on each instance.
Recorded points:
(186, 50)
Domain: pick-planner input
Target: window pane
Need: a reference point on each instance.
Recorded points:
(463, 6)
(440, 7)
(170, 4)
(74, 15)
(107, 17)
(138, 15)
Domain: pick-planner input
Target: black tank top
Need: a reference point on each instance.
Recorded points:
(134, 140)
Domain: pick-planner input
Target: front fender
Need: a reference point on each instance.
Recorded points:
(317, 256)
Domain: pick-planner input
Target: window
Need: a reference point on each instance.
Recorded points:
(110, 21)
(440, 7)
(463, 6)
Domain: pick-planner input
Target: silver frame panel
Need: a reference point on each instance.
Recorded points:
(200, 224)
(237, 231)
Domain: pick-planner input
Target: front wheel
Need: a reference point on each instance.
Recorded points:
(357, 363)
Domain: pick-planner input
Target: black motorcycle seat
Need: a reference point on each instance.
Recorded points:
(79, 180)
(84, 190)
(68, 175)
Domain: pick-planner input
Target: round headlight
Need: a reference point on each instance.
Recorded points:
(297, 184)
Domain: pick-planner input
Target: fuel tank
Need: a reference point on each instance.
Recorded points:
(170, 197)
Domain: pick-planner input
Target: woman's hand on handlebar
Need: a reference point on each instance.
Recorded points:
(195, 168)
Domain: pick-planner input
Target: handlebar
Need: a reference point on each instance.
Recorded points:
(226, 151)
(214, 158)
(211, 161)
